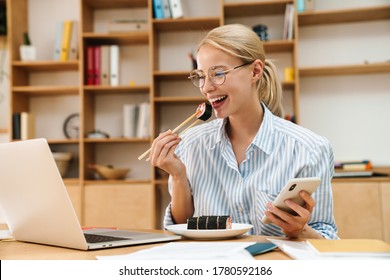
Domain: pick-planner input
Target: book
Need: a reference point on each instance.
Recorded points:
(363, 165)
(90, 66)
(16, 126)
(96, 64)
(105, 65)
(143, 125)
(74, 41)
(114, 65)
(65, 42)
(176, 8)
(27, 126)
(350, 247)
(310, 5)
(288, 22)
(130, 120)
(58, 41)
(158, 9)
(166, 9)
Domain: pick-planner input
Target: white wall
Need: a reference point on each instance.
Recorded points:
(351, 111)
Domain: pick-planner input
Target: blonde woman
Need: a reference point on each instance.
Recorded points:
(236, 164)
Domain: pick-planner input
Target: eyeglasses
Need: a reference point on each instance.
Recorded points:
(217, 75)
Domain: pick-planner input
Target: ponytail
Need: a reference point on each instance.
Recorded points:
(270, 90)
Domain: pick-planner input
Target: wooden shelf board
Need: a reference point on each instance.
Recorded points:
(116, 182)
(114, 4)
(63, 141)
(117, 140)
(343, 15)
(171, 75)
(126, 38)
(47, 65)
(71, 181)
(118, 89)
(288, 85)
(345, 70)
(186, 24)
(255, 9)
(279, 46)
(174, 99)
(46, 90)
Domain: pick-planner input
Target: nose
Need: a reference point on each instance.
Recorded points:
(208, 86)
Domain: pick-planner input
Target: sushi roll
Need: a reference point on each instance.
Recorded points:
(209, 222)
(204, 111)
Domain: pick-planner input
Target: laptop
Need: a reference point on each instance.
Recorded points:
(37, 208)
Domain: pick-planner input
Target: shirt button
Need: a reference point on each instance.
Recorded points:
(240, 209)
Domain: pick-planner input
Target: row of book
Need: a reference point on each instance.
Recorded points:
(361, 168)
(66, 42)
(167, 9)
(23, 126)
(136, 120)
(103, 65)
(288, 27)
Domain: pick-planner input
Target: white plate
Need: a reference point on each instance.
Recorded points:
(236, 230)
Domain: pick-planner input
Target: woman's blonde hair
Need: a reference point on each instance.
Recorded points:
(240, 41)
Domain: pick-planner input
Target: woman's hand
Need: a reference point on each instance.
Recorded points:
(294, 226)
(162, 153)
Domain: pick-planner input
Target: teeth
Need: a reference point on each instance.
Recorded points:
(217, 99)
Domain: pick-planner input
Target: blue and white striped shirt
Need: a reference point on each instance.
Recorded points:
(280, 151)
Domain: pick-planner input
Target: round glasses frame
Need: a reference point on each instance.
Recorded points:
(216, 75)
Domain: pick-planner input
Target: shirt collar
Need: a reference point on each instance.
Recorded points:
(263, 138)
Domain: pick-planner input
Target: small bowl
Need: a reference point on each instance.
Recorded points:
(108, 172)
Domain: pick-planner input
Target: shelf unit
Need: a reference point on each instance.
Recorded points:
(340, 16)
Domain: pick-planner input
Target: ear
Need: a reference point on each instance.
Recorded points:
(257, 69)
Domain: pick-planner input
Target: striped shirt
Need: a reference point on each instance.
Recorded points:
(281, 150)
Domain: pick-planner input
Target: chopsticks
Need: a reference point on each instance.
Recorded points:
(206, 114)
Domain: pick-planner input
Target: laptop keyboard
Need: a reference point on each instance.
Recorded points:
(94, 238)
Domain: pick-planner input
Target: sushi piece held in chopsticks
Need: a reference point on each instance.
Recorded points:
(203, 112)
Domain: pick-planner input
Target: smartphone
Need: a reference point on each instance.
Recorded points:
(291, 191)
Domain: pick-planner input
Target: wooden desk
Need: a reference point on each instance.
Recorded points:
(16, 250)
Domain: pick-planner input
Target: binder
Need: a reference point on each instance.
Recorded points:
(130, 116)
(143, 125)
(58, 41)
(310, 5)
(16, 126)
(105, 65)
(96, 64)
(27, 126)
(158, 9)
(176, 8)
(74, 40)
(90, 66)
(66, 32)
(114, 65)
(166, 9)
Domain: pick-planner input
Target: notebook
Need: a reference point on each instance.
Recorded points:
(37, 208)
(350, 247)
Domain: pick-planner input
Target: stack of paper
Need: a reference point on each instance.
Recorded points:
(189, 251)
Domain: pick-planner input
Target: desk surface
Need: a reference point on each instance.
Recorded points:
(15, 250)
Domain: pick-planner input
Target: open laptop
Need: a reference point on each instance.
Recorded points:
(37, 207)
